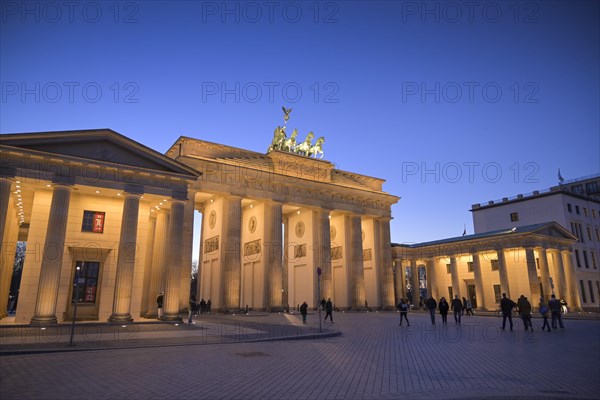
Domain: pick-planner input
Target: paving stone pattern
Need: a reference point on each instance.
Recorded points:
(374, 358)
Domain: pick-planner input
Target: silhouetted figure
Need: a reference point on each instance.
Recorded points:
(329, 309)
(403, 307)
(444, 307)
(524, 307)
(545, 312)
(506, 305)
(555, 310)
(457, 307)
(431, 306)
(304, 311)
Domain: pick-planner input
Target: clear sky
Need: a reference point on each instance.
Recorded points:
(453, 103)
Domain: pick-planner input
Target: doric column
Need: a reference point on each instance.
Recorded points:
(479, 292)
(544, 274)
(199, 293)
(187, 249)
(454, 275)
(415, 282)
(356, 274)
(432, 284)
(575, 299)
(159, 256)
(230, 253)
(561, 277)
(175, 260)
(7, 245)
(45, 304)
(273, 255)
(286, 255)
(322, 253)
(534, 284)
(401, 280)
(387, 274)
(5, 187)
(126, 258)
(148, 263)
(504, 288)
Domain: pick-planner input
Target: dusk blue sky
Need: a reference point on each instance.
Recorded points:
(378, 79)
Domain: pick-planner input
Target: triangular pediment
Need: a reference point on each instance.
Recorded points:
(102, 145)
(553, 229)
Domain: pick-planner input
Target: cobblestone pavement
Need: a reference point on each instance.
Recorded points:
(374, 358)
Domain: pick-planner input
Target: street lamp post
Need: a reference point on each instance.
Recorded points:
(319, 291)
(76, 301)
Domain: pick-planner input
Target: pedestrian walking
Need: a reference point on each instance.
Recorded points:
(457, 307)
(159, 303)
(555, 309)
(464, 306)
(431, 306)
(545, 312)
(506, 305)
(470, 308)
(329, 309)
(304, 311)
(323, 304)
(524, 307)
(191, 308)
(208, 306)
(403, 307)
(444, 307)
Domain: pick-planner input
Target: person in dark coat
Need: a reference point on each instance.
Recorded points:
(159, 303)
(555, 309)
(431, 306)
(304, 311)
(524, 307)
(457, 307)
(403, 307)
(444, 307)
(323, 304)
(464, 306)
(506, 305)
(329, 309)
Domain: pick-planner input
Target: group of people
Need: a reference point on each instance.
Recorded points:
(326, 305)
(523, 306)
(198, 307)
(460, 307)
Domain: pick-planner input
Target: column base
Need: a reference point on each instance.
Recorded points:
(151, 316)
(120, 319)
(171, 318)
(43, 321)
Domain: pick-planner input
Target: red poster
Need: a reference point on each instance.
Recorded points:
(98, 222)
(90, 294)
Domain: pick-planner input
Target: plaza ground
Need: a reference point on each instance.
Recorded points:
(275, 356)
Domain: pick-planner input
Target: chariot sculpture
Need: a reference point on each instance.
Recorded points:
(305, 148)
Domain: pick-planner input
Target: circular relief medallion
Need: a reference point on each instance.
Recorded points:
(332, 232)
(299, 229)
(212, 219)
(252, 224)
(362, 235)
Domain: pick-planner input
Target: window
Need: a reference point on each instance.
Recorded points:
(514, 216)
(597, 235)
(450, 293)
(576, 209)
(583, 296)
(448, 268)
(585, 211)
(585, 259)
(569, 207)
(593, 259)
(589, 232)
(577, 189)
(93, 221)
(593, 213)
(470, 266)
(592, 298)
(591, 187)
(497, 294)
(577, 258)
(85, 281)
(495, 265)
